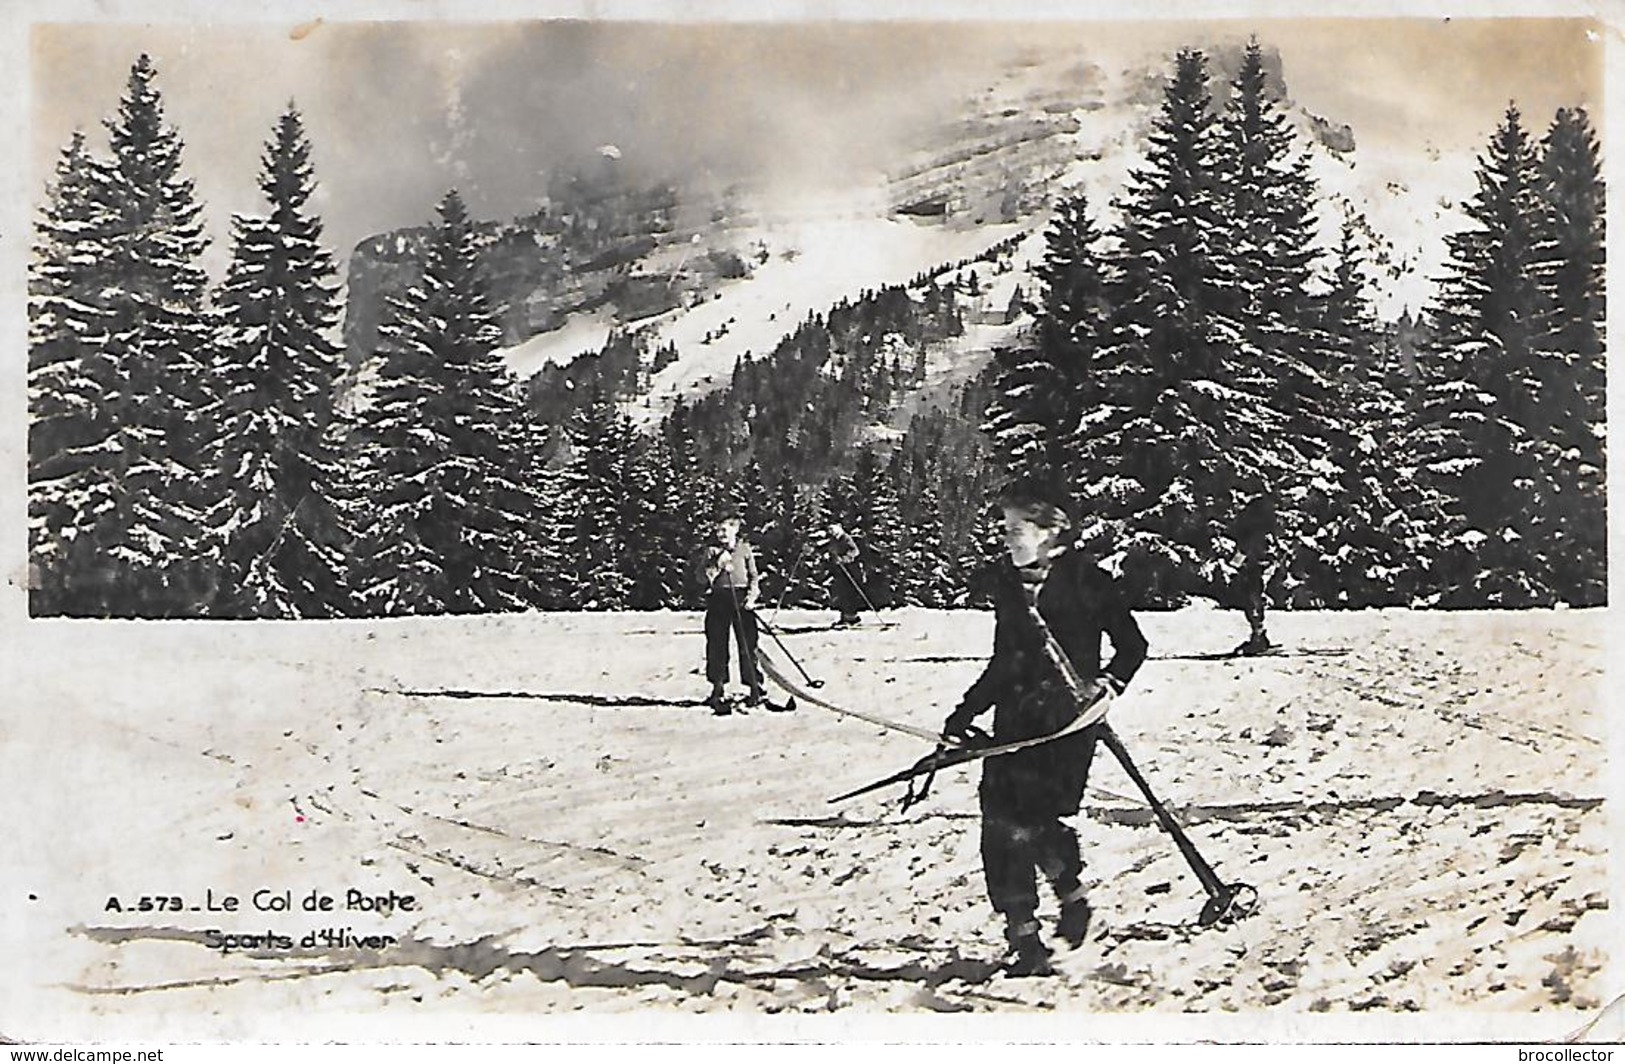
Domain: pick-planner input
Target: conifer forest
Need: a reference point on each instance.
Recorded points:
(1190, 347)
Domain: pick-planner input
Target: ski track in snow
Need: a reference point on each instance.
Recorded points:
(1421, 817)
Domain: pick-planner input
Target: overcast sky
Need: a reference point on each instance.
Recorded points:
(398, 112)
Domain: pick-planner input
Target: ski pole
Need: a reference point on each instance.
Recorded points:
(768, 628)
(859, 587)
(1221, 896)
(789, 581)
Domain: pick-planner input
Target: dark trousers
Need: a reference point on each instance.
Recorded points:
(724, 614)
(1013, 852)
(1023, 796)
(848, 596)
(1251, 587)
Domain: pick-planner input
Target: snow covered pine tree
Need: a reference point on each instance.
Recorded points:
(1177, 439)
(284, 547)
(1486, 435)
(1573, 373)
(118, 343)
(73, 384)
(1042, 389)
(447, 517)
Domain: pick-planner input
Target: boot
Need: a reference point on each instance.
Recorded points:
(1073, 926)
(1031, 955)
(1257, 643)
(717, 700)
(756, 697)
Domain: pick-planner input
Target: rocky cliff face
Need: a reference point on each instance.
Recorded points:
(1004, 159)
(379, 266)
(595, 242)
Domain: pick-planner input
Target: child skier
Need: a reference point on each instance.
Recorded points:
(843, 561)
(1253, 529)
(1025, 794)
(728, 567)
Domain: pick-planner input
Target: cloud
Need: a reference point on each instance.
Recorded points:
(398, 112)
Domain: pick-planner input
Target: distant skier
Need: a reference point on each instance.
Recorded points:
(1253, 529)
(728, 567)
(843, 575)
(1025, 794)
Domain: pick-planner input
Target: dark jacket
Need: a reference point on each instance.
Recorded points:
(1079, 603)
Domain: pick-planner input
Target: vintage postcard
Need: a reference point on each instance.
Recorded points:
(632, 522)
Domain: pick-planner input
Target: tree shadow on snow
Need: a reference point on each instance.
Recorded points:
(1278, 652)
(633, 701)
(1241, 811)
(690, 967)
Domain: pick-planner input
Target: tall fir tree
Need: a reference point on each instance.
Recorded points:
(753, 502)
(163, 331)
(1269, 203)
(876, 524)
(119, 517)
(796, 533)
(285, 547)
(1572, 371)
(665, 535)
(1042, 388)
(1480, 439)
(696, 494)
(77, 396)
(1574, 252)
(1176, 442)
(552, 568)
(1370, 544)
(447, 515)
(926, 573)
(980, 555)
(1285, 358)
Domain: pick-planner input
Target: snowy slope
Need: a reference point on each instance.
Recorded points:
(956, 362)
(824, 247)
(582, 334)
(1415, 796)
(819, 253)
(1410, 202)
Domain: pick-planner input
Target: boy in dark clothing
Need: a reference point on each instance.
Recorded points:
(728, 568)
(1025, 794)
(843, 560)
(1254, 527)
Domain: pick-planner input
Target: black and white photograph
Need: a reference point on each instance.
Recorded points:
(933, 523)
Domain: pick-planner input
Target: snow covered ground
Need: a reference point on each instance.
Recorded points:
(1417, 797)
